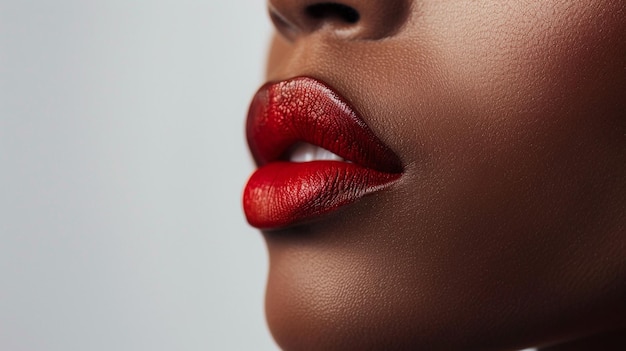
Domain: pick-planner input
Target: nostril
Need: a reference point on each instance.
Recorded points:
(333, 11)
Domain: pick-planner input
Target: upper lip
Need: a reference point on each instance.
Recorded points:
(304, 109)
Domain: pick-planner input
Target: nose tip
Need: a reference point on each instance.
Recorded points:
(356, 19)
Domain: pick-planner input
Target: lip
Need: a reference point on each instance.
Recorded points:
(282, 193)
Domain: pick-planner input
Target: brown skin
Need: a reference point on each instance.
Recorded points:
(507, 229)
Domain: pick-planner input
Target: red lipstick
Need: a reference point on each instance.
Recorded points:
(286, 114)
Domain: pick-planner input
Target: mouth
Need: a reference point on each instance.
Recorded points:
(314, 154)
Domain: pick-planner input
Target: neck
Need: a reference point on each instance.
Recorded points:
(612, 341)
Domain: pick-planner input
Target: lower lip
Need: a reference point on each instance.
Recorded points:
(281, 194)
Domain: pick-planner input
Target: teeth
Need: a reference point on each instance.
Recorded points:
(305, 152)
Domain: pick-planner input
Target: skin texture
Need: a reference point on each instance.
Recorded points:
(507, 229)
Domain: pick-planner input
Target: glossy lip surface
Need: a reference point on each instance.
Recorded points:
(282, 193)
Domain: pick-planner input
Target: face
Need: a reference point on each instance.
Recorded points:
(504, 227)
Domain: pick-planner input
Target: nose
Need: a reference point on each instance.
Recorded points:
(355, 19)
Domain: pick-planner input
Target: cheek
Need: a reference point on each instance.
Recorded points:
(538, 92)
(522, 129)
(530, 59)
(527, 119)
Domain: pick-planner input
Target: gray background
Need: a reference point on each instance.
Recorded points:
(122, 161)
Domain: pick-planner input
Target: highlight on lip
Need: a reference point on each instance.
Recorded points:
(314, 152)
